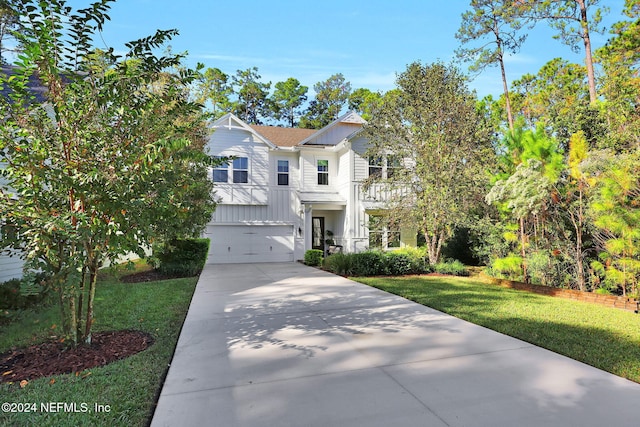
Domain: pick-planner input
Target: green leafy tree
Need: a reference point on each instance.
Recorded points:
(106, 165)
(287, 99)
(497, 24)
(253, 96)
(530, 163)
(214, 89)
(431, 127)
(364, 102)
(331, 97)
(556, 97)
(620, 59)
(615, 212)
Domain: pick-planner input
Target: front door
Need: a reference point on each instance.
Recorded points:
(318, 232)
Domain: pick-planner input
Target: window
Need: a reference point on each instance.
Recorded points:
(384, 167)
(283, 172)
(393, 164)
(241, 170)
(383, 234)
(375, 167)
(221, 173)
(323, 172)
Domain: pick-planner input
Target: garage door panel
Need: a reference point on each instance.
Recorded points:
(250, 244)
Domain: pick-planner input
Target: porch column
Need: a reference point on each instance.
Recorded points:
(308, 227)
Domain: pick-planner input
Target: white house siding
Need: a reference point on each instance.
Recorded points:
(309, 159)
(10, 267)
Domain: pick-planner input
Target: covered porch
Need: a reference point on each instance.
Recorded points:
(324, 216)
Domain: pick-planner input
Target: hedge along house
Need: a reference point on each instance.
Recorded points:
(288, 190)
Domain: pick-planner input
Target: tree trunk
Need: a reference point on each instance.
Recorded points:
(523, 252)
(584, 22)
(93, 278)
(505, 88)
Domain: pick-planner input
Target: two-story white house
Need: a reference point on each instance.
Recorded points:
(288, 190)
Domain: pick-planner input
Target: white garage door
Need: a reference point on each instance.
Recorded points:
(250, 243)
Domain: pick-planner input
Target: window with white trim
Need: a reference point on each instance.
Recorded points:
(283, 172)
(384, 167)
(221, 172)
(383, 233)
(240, 170)
(375, 167)
(323, 172)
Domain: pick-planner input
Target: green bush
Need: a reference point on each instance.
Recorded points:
(370, 263)
(183, 257)
(18, 294)
(313, 257)
(338, 263)
(397, 264)
(418, 258)
(453, 267)
(509, 267)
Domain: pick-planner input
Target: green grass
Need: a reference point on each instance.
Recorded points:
(603, 337)
(128, 386)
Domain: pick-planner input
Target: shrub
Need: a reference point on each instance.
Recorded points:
(370, 263)
(313, 257)
(338, 263)
(418, 258)
(18, 294)
(509, 267)
(183, 257)
(453, 267)
(397, 264)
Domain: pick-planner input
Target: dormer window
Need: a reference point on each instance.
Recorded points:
(323, 172)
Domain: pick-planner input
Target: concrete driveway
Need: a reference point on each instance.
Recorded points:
(287, 345)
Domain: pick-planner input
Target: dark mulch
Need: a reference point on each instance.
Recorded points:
(148, 276)
(55, 358)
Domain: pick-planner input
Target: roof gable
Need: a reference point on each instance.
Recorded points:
(230, 121)
(351, 121)
(344, 127)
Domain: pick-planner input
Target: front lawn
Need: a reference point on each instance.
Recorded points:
(126, 388)
(603, 337)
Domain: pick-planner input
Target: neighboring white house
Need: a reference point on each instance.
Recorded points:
(288, 190)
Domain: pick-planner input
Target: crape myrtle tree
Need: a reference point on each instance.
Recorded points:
(430, 130)
(105, 165)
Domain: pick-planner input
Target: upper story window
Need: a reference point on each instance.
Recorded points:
(323, 172)
(241, 170)
(384, 167)
(283, 172)
(375, 167)
(393, 164)
(221, 173)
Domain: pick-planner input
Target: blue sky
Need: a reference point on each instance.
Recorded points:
(369, 42)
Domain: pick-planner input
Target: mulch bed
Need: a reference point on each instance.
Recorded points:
(148, 276)
(55, 357)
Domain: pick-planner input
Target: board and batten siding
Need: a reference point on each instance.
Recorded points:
(309, 160)
(282, 208)
(360, 161)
